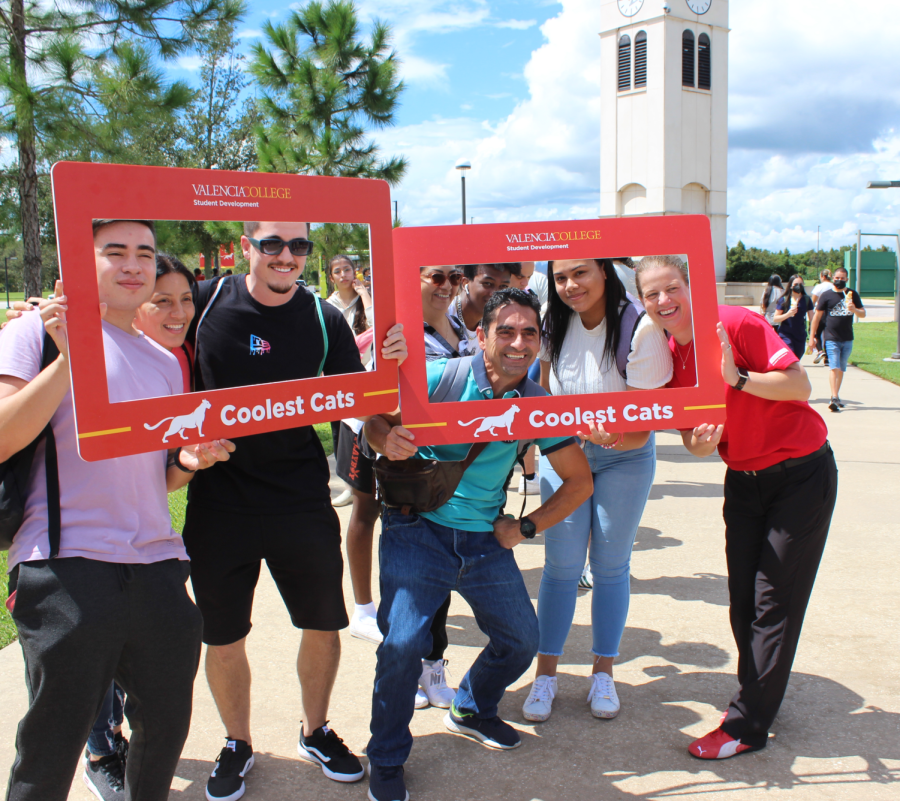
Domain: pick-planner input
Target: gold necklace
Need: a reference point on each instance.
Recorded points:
(684, 361)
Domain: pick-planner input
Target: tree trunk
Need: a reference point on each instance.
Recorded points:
(25, 136)
(207, 263)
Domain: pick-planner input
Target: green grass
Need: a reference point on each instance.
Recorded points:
(7, 627)
(324, 432)
(872, 342)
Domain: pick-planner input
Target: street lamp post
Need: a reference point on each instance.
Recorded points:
(6, 266)
(895, 356)
(462, 166)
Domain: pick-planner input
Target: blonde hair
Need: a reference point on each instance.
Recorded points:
(654, 262)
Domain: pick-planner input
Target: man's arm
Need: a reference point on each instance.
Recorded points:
(814, 325)
(577, 486)
(192, 459)
(389, 438)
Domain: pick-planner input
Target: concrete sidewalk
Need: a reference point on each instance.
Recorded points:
(838, 734)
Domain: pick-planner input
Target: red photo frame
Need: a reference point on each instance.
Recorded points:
(83, 192)
(441, 423)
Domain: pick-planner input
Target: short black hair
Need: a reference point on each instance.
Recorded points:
(166, 264)
(506, 297)
(96, 225)
(843, 270)
(471, 270)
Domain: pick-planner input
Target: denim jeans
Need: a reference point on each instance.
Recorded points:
(609, 520)
(838, 353)
(421, 561)
(101, 741)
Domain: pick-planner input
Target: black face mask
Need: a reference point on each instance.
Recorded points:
(839, 284)
(797, 288)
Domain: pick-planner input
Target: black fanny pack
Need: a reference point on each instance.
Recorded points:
(421, 485)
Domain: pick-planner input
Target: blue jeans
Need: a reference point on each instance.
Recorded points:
(101, 741)
(838, 353)
(609, 520)
(421, 562)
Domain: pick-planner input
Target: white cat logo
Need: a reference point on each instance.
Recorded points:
(504, 420)
(184, 421)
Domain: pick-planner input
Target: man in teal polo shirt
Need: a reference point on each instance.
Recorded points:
(466, 546)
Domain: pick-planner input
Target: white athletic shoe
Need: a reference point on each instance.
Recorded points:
(602, 696)
(344, 499)
(365, 627)
(421, 699)
(532, 487)
(586, 582)
(540, 699)
(433, 682)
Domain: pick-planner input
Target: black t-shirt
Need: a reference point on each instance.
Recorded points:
(838, 318)
(794, 328)
(243, 342)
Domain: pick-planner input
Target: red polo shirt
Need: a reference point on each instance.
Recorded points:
(758, 432)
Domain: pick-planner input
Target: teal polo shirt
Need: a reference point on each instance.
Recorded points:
(479, 496)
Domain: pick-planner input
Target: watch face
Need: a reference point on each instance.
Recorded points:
(631, 7)
(697, 6)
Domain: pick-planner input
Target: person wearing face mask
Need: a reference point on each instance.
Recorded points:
(838, 307)
(816, 292)
(791, 313)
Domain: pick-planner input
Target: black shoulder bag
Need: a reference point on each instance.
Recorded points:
(14, 473)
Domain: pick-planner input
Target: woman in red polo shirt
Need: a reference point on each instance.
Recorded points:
(779, 494)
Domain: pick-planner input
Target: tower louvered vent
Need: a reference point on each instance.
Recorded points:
(687, 58)
(640, 59)
(624, 63)
(704, 67)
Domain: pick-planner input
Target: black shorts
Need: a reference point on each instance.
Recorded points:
(302, 552)
(352, 466)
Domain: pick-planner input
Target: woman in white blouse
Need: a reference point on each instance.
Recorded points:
(350, 295)
(586, 303)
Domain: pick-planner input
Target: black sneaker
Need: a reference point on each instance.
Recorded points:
(834, 405)
(386, 783)
(493, 732)
(226, 783)
(105, 777)
(840, 402)
(122, 748)
(325, 748)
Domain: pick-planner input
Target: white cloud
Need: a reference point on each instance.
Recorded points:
(814, 113)
(190, 63)
(516, 24)
(417, 70)
(250, 33)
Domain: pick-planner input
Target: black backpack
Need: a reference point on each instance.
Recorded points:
(14, 473)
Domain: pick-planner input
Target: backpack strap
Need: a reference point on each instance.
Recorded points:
(453, 380)
(206, 309)
(632, 313)
(51, 463)
(318, 304)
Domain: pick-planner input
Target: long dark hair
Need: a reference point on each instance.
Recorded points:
(359, 324)
(790, 288)
(774, 281)
(556, 322)
(166, 264)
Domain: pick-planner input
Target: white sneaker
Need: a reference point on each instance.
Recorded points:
(532, 487)
(344, 499)
(421, 699)
(602, 696)
(540, 699)
(365, 627)
(586, 582)
(433, 682)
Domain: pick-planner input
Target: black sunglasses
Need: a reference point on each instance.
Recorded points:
(439, 279)
(273, 245)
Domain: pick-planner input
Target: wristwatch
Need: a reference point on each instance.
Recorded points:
(744, 375)
(527, 528)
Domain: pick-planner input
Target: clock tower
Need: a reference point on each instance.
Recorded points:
(664, 111)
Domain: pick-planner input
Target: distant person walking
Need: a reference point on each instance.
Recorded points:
(792, 311)
(838, 307)
(816, 292)
(774, 290)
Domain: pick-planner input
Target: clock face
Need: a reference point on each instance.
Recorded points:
(697, 6)
(631, 7)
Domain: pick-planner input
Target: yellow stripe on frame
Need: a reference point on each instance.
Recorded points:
(104, 433)
(423, 425)
(380, 392)
(697, 408)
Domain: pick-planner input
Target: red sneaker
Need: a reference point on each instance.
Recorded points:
(718, 745)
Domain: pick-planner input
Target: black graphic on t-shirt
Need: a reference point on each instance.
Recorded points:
(838, 318)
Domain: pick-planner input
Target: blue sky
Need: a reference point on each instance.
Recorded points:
(814, 112)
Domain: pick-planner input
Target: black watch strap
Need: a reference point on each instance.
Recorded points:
(744, 375)
(527, 527)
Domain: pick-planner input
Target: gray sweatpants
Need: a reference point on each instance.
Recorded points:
(83, 623)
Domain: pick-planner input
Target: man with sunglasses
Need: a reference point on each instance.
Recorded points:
(274, 503)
